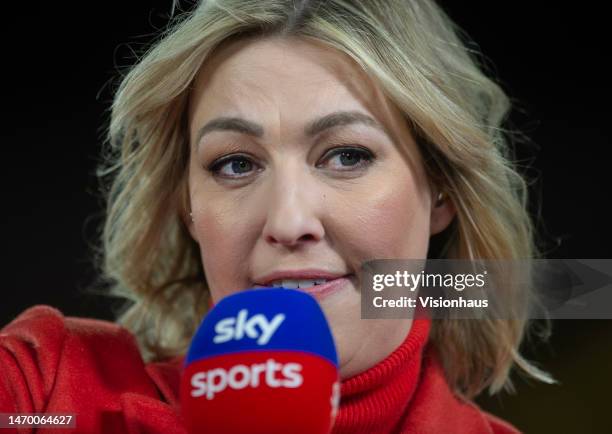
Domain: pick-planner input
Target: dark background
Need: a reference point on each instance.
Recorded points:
(58, 60)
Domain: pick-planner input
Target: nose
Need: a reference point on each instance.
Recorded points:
(293, 214)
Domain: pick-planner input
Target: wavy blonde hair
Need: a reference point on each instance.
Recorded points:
(414, 52)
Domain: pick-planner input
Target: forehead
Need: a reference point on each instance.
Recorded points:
(278, 70)
(284, 83)
(267, 63)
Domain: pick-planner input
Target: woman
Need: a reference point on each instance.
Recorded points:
(265, 141)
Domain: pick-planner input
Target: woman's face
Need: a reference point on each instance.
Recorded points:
(301, 169)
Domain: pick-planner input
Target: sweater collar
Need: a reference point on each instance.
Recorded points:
(375, 400)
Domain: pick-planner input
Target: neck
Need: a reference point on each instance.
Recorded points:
(375, 400)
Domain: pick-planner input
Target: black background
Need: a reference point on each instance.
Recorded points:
(58, 61)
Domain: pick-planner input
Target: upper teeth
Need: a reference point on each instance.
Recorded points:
(301, 283)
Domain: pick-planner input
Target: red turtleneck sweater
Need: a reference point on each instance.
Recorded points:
(51, 363)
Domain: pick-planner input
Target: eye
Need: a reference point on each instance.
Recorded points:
(233, 166)
(347, 158)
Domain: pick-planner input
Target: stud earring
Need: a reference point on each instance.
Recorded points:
(441, 198)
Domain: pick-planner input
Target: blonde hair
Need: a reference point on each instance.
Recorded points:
(414, 52)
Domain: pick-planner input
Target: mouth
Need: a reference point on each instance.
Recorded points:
(318, 285)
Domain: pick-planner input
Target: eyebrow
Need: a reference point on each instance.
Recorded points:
(315, 127)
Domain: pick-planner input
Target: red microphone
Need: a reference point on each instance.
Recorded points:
(262, 362)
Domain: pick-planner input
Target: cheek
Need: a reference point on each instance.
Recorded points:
(389, 221)
(222, 246)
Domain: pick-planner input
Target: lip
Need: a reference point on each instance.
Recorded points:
(335, 281)
(309, 274)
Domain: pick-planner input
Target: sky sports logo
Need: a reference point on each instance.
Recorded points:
(257, 327)
(271, 373)
(241, 376)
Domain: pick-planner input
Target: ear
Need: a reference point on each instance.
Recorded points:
(442, 212)
(187, 218)
(184, 207)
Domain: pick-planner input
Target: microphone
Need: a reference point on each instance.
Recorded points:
(263, 361)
